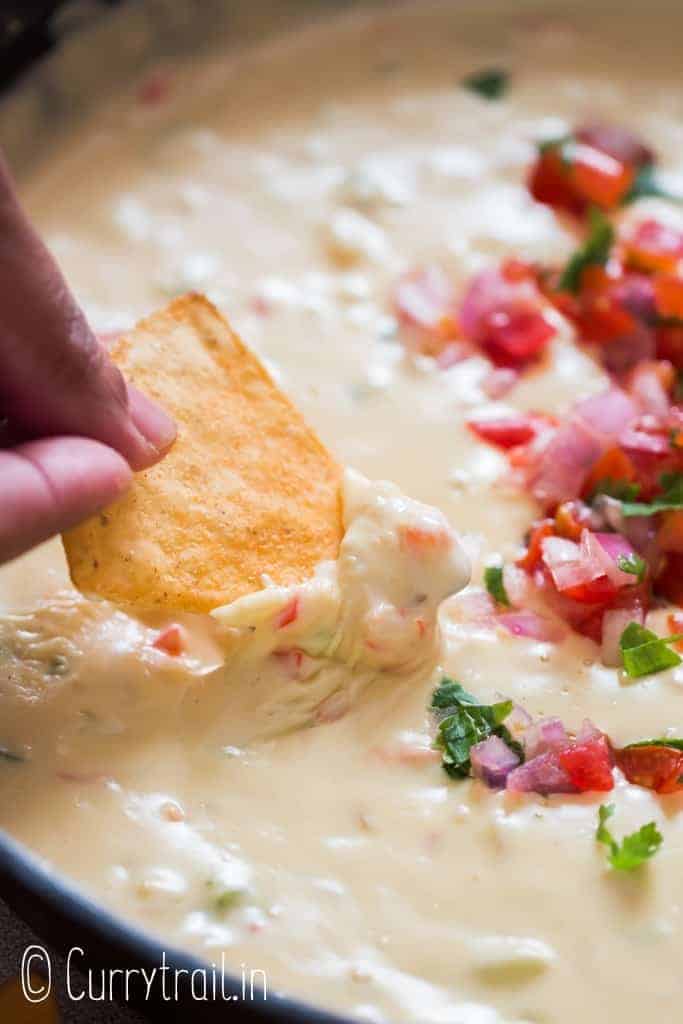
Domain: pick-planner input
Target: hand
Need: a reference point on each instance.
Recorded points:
(71, 430)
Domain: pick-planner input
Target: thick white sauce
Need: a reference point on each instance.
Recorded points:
(292, 185)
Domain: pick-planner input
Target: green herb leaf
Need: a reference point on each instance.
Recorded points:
(450, 693)
(647, 184)
(670, 500)
(558, 142)
(491, 83)
(644, 653)
(493, 578)
(623, 490)
(634, 849)
(594, 252)
(673, 742)
(466, 723)
(227, 900)
(633, 564)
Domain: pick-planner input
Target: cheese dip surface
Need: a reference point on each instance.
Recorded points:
(281, 799)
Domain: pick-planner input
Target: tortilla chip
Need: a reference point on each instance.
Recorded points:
(247, 489)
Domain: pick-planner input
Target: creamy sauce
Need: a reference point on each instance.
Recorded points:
(293, 184)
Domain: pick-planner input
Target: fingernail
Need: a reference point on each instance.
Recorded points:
(155, 425)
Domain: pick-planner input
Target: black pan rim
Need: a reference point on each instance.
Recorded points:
(115, 942)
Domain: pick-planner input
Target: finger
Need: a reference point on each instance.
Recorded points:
(48, 486)
(56, 377)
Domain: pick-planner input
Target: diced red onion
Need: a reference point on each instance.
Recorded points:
(644, 443)
(564, 463)
(567, 564)
(607, 414)
(491, 296)
(588, 732)
(547, 734)
(623, 353)
(614, 622)
(423, 297)
(518, 721)
(636, 293)
(492, 761)
(606, 549)
(649, 392)
(617, 142)
(542, 774)
(499, 382)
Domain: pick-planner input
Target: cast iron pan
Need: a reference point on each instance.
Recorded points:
(54, 909)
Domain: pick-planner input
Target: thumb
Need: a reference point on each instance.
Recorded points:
(57, 379)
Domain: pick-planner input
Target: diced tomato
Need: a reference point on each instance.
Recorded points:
(597, 177)
(654, 767)
(654, 246)
(669, 296)
(675, 621)
(589, 765)
(590, 625)
(289, 613)
(506, 432)
(602, 318)
(670, 533)
(669, 343)
(515, 337)
(172, 640)
(669, 582)
(421, 542)
(614, 464)
(600, 590)
(571, 518)
(532, 557)
(515, 270)
(549, 183)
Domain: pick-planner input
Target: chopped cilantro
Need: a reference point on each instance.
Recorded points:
(464, 722)
(594, 252)
(673, 742)
(558, 143)
(633, 564)
(670, 499)
(493, 578)
(643, 652)
(623, 490)
(634, 849)
(491, 83)
(449, 693)
(646, 184)
(226, 899)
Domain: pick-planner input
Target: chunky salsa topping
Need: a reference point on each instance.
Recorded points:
(502, 746)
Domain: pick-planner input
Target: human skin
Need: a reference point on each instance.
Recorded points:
(72, 431)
